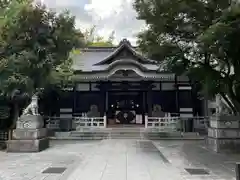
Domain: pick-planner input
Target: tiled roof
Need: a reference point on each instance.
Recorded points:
(88, 59)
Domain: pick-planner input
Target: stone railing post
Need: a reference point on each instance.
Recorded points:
(105, 120)
(92, 119)
(146, 121)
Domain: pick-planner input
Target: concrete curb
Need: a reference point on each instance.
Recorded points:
(165, 138)
(200, 138)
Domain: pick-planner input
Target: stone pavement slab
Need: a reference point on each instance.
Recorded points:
(147, 160)
(29, 166)
(120, 160)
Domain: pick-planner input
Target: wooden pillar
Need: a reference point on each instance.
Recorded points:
(149, 100)
(74, 98)
(177, 95)
(143, 106)
(106, 101)
(103, 93)
(104, 86)
(186, 112)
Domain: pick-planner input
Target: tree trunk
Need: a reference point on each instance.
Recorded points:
(233, 97)
(236, 105)
(229, 103)
(15, 116)
(235, 102)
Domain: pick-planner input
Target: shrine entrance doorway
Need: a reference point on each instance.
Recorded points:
(126, 107)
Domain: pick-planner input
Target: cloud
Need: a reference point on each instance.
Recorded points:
(107, 15)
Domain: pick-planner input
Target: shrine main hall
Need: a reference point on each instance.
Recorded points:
(123, 85)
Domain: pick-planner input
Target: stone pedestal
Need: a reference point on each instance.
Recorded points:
(224, 134)
(29, 136)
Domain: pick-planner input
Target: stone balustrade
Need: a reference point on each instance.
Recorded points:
(162, 123)
(93, 122)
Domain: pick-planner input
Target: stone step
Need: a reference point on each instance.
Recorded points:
(88, 135)
(163, 134)
(190, 134)
(125, 129)
(125, 132)
(78, 138)
(173, 135)
(124, 137)
(93, 133)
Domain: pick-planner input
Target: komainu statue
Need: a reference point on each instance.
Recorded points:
(31, 117)
(157, 111)
(93, 111)
(32, 108)
(221, 107)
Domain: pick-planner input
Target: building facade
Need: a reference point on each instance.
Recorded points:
(123, 85)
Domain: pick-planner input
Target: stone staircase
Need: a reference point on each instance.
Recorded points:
(125, 133)
(89, 135)
(122, 133)
(161, 135)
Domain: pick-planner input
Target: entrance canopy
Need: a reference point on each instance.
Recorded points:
(116, 63)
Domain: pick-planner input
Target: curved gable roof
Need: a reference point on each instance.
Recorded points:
(127, 62)
(124, 48)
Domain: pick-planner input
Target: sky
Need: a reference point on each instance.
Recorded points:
(108, 15)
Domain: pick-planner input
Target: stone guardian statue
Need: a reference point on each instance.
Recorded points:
(221, 107)
(29, 135)
(32, 108)
(157, 111)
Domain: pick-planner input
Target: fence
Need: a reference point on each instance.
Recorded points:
(74, 123)
(194, 124)
(4, 135)
(162, 123)
(98, 122)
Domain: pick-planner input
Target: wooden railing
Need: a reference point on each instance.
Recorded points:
(75, 123)
(53, 123)
(194, 124)
(162, 123)
(97, 122)
(198, 124)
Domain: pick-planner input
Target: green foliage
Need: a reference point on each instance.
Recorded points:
(94, 40)
(61, 76)
(196, 38)
(35, 42)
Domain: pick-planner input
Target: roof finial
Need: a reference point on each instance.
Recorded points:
(125, 41)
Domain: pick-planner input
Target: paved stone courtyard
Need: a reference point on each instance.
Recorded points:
(119, 160)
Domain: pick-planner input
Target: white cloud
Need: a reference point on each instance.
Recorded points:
(107, 15)
(104, 8)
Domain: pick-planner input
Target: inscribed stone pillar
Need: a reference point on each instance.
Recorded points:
(224, 133)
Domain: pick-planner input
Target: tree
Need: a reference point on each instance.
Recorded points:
(34, 43)
(94, 40)
(193, 37)
(220, 41)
